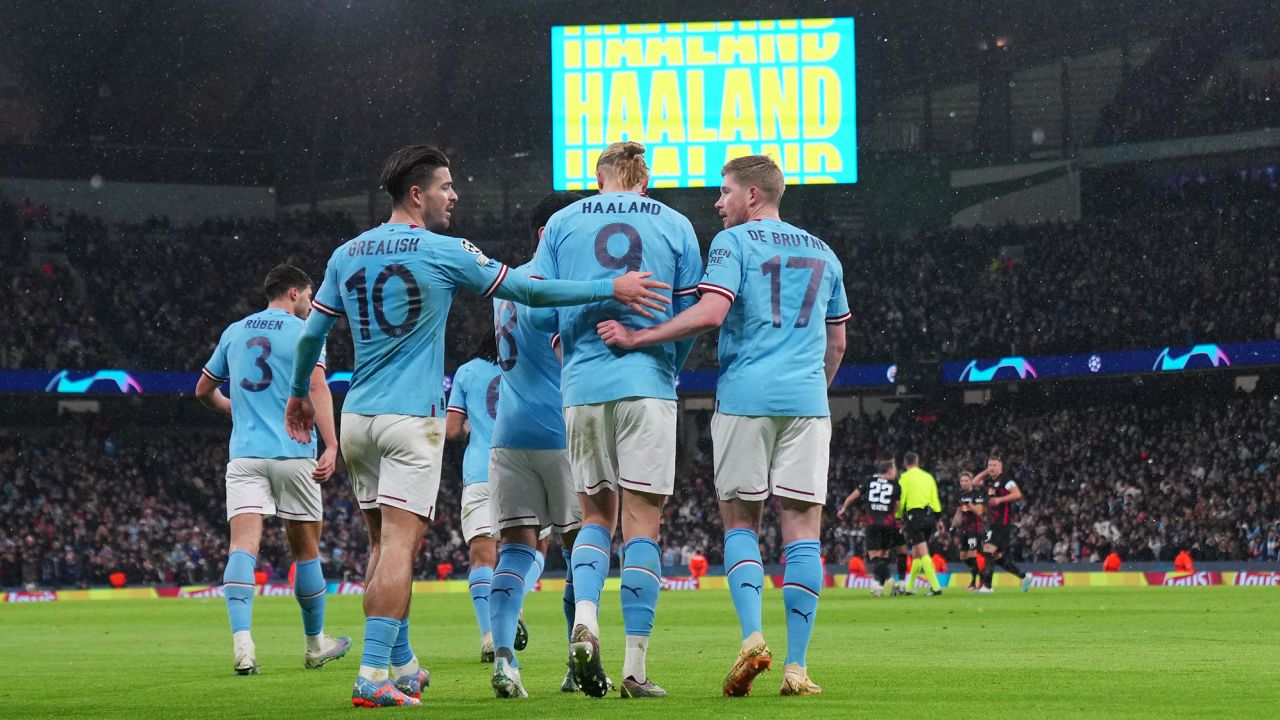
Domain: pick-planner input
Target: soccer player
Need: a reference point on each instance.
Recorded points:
(472, 409)
(919, 511)
(620, 408)
(968, 521)
(1001, 493)
(395, 284)
(777, 294)
(529, 467)
(882, 495)
(270, 473)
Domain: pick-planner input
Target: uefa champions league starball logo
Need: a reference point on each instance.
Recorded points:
(1095, 363)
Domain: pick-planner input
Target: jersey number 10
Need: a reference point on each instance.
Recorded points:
(356, 284)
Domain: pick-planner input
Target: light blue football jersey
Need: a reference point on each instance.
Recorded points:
(395, 283)
(530, 412)
(605, 236)
(475, 394)
(785, 285)
(255, 356)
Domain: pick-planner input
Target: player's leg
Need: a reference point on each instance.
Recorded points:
(408, 479)
(568, 599)
(743, 451)
(238, 588)
(300, 503)
(564, 515)
(248, 499)
(799, 480)
(989, 550)
(801, 584)
(505, 600)
(645, 432)
(483, 557)
(900, 555)
(595, 476)
(880, 568)
(1004, 539)
(531, 583)
(641, 582)
(478, 531)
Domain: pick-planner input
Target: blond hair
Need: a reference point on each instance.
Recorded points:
(626, 161)
(758, 171)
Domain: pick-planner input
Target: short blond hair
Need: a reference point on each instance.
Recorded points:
(626, 160)
(758, 171)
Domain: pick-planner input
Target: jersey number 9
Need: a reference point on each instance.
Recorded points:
(630, 260)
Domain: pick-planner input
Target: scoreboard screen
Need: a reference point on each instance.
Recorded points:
(698, 94)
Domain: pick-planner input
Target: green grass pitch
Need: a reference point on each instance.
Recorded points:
(1076, 652)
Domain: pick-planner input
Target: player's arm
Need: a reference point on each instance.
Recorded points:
(210, 396)
(213, 375)
(836, 316)
(1015, 494)
(299, 413)
(955, 517)
(707, 314)
(455, 425)
(689, 272)
(835, 350)
(848, 501)
(322, 400)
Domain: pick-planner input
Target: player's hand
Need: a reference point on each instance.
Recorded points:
(636, 291)
(327, 465)
(615, 334)
(840, 513)
(299, 418)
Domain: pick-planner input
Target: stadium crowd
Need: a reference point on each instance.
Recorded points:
(1144, 479)
(126, 294)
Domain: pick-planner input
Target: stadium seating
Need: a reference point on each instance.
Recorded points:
(1144, 479)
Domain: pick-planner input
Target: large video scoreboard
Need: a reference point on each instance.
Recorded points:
(698, 94)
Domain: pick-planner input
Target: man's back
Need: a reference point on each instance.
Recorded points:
(395, 283)
(603, 237)
(475, 393)
(785, 286)
(255, 356)
(880, 495)
(530, 414)
(919, 490)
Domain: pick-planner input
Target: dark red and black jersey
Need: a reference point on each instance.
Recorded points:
(1002, 515)
(971, 520)
(881, 496)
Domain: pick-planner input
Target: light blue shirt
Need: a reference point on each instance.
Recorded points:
(530, 411)
(255, 356)
(395, 284)
(785, 285)
(602, 237)
(475, 395)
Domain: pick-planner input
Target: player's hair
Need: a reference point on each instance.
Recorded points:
(966, 474)
(284, 278)
(409, 166)
(626, 159)
(758, 171)
(516, 252)
(548, 206)
(486, 347)
(910, 458)
(995, 455)
(883, 465)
